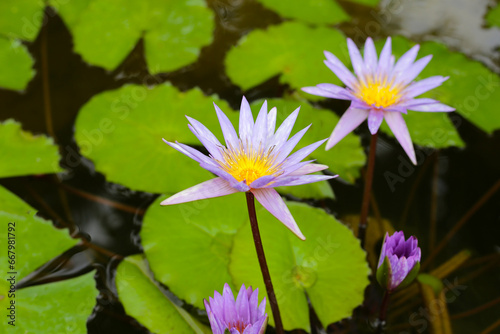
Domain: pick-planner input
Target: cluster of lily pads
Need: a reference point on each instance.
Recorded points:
(192, 248)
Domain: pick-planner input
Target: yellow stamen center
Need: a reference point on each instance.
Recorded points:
(379, 93)
(248, 164)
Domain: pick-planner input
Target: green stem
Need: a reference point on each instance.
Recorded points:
(263, 264)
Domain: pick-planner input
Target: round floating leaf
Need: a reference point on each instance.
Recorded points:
(17, 63)
(329, 266)
(105, 32)
(493, 16)
(61, 307)
(142, 299)
(21, 19)
(371, 3)
(181, 28)
(472, 89)
(346, 158)
(36, 241)
(316, 190)
(27, 154)
(188, 245)
(309, 11)
(292, 50)
(121, 131)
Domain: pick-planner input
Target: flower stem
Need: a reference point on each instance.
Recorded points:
(263, 264)
(363, 220)
(383, 312)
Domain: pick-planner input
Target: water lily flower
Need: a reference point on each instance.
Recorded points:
(243, 316)
(399, 261)
(256, 161)
(381, 89)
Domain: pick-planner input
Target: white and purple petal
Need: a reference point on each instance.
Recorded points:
(283, 132)
(340, 70)
(246, 122)
(375, 118)
(272, 202)
(298, 180)
(209, 189)
(228, 130)
(260, 128)
(307, 169)
(349, 121)
(400, 130)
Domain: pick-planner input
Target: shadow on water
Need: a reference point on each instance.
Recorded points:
(108, 216)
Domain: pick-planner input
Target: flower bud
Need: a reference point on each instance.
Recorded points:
(399, 261)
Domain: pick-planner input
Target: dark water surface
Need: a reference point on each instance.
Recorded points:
(77, 198)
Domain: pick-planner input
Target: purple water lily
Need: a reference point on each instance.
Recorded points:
(243, 316)
(381, 89)
(399, 261)
(256, 161)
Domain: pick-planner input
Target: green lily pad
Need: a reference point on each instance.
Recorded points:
(61, 307)
(184, 241)
(493, 17)
(105, 32)
(35, 240)
(329, 266)
(121, 131)
(143, 299)
(346, 158)
(472, 89)
(21, 19)
(309, 11)
(17, 64)
(371, 3)
(292, 50)
(316, 190)
(27, 154)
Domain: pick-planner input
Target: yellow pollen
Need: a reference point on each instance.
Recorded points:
(382, 94)
(248, 164)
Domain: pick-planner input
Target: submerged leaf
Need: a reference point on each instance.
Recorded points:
(121, 131)
(143, 299)
(292, 50)
(309, 11)
(17, 64)
(27, 154)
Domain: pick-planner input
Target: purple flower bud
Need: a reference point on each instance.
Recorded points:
(399, 261)
(243, 316)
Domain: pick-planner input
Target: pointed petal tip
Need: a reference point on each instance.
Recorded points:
(165, 202)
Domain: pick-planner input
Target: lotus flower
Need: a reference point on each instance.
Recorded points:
(256, 161)
(399, 261)
(243, 316)
(381, 89)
